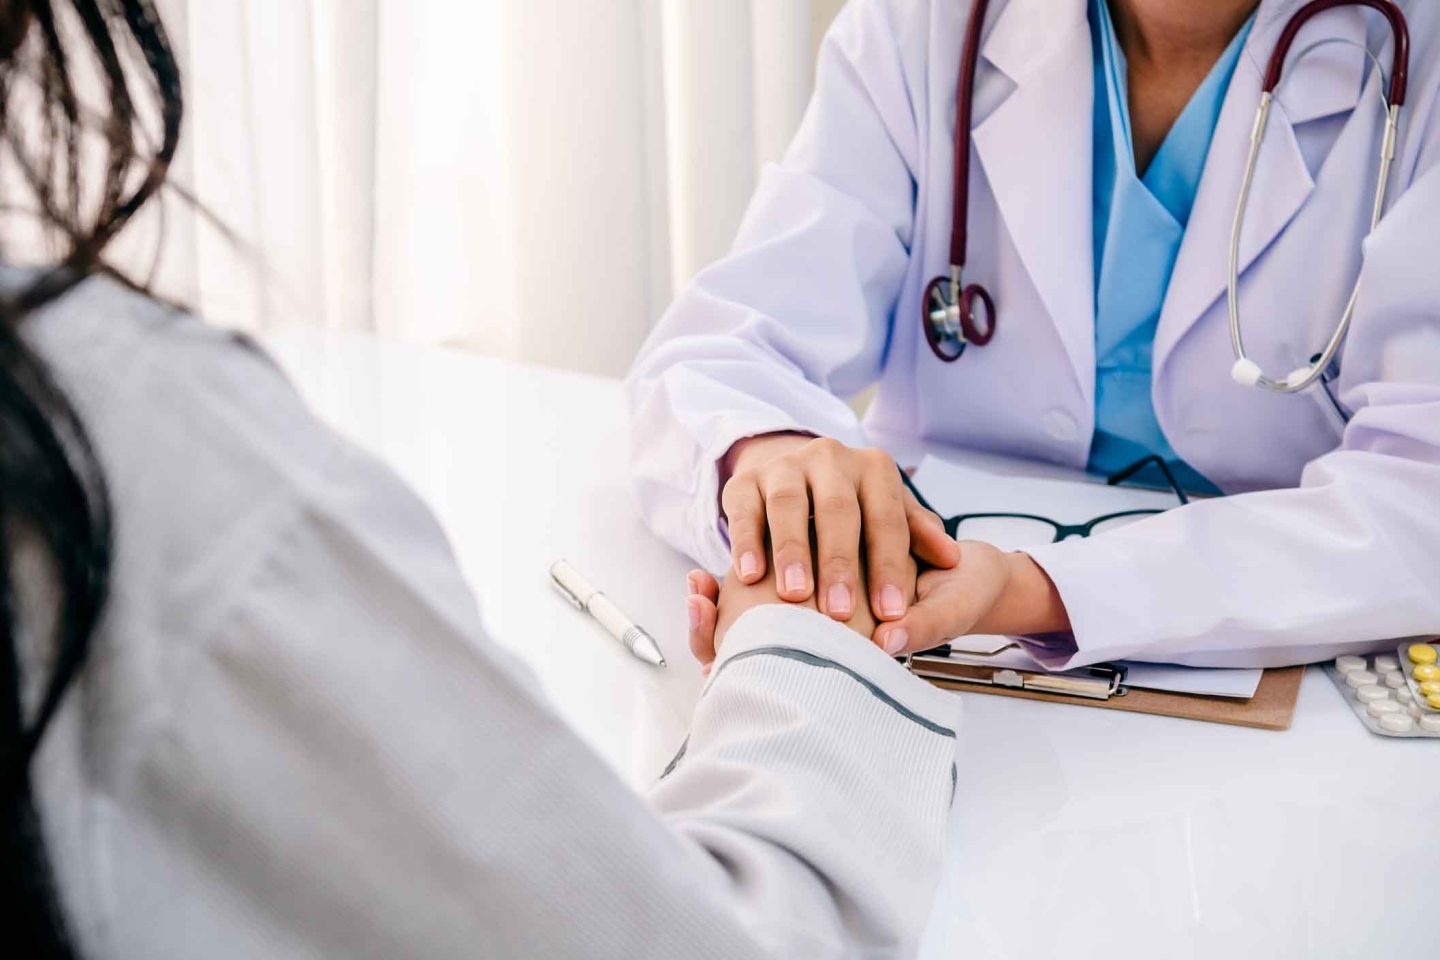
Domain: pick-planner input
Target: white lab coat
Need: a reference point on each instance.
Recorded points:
(1332, 541)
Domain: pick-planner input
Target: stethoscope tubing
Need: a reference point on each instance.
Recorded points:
(1246, 371)
(947, 306)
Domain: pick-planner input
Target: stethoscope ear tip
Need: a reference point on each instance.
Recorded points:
(1246, 372)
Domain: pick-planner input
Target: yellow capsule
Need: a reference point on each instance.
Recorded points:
(1429, 687)
(1421, 653)
(1426, 671)
(1434, 701)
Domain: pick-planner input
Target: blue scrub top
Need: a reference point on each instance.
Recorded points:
(1139, 224)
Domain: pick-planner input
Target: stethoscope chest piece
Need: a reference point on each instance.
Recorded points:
(951, 321)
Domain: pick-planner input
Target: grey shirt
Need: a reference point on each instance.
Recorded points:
(293, 738)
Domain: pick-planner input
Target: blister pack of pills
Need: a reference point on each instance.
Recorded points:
(1395, 695)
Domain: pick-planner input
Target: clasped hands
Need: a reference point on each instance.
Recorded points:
(815, 523)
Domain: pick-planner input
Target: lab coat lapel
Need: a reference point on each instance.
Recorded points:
(1035, 151)
(1331, 84)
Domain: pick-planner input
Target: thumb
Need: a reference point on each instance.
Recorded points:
(937, 616)
(927, 624)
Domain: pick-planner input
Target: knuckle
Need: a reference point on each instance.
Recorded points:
(876, 459)
(742, 523)
(888, 528)
(791, 548)
(886, 572)
(740, 479)
(737, 494)
(837, 505)
(889, 494)
(741, 520)
(744, 536)
(786, 495)
(795, 455)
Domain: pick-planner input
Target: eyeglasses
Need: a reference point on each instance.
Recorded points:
(1015, 531)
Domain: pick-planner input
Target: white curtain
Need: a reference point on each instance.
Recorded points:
(531, 178)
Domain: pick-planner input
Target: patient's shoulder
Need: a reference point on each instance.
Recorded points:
(162, 393)
(208, 453)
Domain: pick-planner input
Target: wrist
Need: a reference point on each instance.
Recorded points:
(738, 597)
(1029, 603)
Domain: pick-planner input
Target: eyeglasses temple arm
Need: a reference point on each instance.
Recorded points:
(1134, 468)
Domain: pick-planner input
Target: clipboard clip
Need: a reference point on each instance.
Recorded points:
(1098, 682)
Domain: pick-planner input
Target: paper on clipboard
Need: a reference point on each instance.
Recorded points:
(981, 644)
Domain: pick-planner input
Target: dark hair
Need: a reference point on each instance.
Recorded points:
(52, 490)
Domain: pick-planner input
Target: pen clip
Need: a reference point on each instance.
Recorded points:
(564, 591)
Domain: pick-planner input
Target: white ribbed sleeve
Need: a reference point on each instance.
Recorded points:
(819, 774)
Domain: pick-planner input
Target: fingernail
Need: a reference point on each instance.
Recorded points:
(838, 599)
(705, 670)
(690, 582)
(692, 607)
(749, 565)
(895, 640)
(794, 578)
(892, 604)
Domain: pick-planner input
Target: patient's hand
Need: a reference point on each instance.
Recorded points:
(712, 608)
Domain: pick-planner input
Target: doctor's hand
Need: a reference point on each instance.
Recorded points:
(778, 481)
(988, 592)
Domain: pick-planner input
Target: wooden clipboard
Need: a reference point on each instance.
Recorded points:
(1271, 708)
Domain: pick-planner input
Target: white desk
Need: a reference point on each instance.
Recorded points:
(1077, 832)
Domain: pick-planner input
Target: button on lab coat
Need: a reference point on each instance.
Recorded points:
(1331, 540)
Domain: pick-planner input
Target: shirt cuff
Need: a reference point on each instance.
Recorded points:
(800, 633)
(1106, 623)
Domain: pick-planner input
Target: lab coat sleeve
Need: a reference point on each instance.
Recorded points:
(356, 770)
(774, 336)
(1348, 560)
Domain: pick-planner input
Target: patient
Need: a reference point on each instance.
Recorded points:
(249, 707)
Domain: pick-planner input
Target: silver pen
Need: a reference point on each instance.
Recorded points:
(585, 597)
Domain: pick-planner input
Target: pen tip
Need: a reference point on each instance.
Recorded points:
(647, 649)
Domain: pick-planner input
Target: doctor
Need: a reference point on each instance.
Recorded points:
(1107, 148)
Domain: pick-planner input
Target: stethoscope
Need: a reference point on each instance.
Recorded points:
(949, 309)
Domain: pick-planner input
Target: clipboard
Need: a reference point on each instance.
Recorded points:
(1272, 707)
